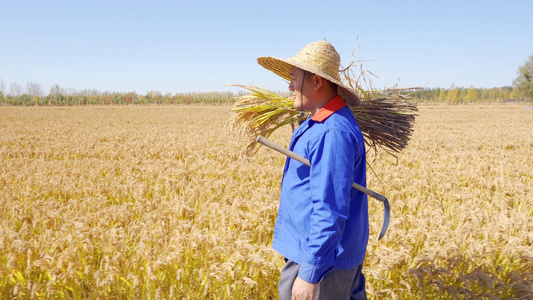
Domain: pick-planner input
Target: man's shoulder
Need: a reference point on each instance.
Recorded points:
(342, 119)
(340, 126)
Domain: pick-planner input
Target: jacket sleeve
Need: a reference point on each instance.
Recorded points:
(332, 157)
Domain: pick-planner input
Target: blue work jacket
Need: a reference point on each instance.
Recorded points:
(322, 222)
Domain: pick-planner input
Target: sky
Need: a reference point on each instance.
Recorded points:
(203, 46)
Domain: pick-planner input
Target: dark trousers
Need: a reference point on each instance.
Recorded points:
(335, 285)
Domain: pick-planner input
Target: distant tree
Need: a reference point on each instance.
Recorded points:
(471, 94)
(116, 99)
(154, 96)
(2, 86)
(453, 94)
(523, 84)
(167, 98)
(512, 95)
(505, 93)
(442, 95)
(34, 89)
(461, 93)
(55, 90)
(493, 94)
(15, 90)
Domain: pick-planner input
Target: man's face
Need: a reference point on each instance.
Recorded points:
(299, 94)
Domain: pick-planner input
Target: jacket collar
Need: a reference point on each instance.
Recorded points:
(332, 106)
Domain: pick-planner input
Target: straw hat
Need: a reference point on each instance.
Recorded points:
(319, 58)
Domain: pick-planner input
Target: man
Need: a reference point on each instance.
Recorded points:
(322, 223)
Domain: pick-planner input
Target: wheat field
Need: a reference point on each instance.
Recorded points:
(154, 202)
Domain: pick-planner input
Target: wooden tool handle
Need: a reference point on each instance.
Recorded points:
(264, 141)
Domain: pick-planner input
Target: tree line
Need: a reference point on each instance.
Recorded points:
(460, 95)
(68, 96)
(522, 89)
(65, 97)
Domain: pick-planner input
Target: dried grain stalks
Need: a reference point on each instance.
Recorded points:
(387, 122)
(385, 117)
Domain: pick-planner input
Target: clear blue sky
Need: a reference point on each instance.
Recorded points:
(185, 46)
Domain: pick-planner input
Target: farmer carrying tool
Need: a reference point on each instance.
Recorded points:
(322, 223)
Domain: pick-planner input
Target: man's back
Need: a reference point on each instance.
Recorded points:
(322, 221)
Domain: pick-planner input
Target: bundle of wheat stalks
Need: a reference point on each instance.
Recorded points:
(386, 122)
(385, 117)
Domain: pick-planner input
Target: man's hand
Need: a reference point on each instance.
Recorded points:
(302, 290)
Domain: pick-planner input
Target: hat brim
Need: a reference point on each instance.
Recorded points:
(282, 67)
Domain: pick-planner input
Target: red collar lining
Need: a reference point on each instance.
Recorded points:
(332, 106)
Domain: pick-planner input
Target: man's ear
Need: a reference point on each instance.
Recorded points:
(318, 82)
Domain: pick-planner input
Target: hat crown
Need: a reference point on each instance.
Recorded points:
(322, 56)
